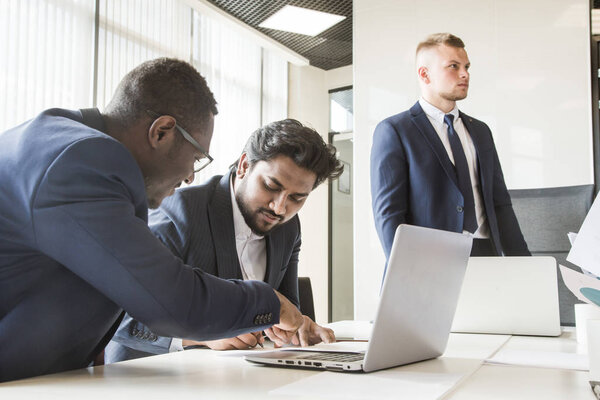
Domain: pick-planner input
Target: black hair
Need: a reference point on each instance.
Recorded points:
(165, 86)
(302, 144)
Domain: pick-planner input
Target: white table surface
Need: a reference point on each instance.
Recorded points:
(206, 374)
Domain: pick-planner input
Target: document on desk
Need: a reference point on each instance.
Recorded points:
(386, 384)
(585, 251)
(543, 359)
(586, 288)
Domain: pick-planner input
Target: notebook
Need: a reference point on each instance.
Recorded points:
(416, 307)
(509, 295)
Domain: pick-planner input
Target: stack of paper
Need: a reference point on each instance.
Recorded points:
(585, 253)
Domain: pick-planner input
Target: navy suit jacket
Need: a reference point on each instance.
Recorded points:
(75, 250)
(413, 181)
(196, 223)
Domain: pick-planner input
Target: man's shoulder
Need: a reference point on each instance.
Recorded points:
(189, 201)
(397, 118)
(473, 121)
(201, 192)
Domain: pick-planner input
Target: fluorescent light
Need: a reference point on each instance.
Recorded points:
(301, 20)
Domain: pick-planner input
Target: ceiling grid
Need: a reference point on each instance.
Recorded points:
(330, 49)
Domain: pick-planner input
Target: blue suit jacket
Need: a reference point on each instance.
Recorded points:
(196, 223)
(413, 181)
(75, 250)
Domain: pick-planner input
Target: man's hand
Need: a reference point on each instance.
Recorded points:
(242, 342)
(311, 333)
(290, 320)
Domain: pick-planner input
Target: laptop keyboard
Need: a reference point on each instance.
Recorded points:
(344, 357)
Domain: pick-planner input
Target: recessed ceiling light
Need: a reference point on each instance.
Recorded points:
(301, 20)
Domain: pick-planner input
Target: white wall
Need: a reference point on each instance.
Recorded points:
(530, 82)
(308, 102)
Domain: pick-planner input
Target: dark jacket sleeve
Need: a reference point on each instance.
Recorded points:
(88, 214)
(511, 237)
(389, 183)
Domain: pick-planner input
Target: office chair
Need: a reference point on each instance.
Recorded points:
(305, 296)
(546, 216)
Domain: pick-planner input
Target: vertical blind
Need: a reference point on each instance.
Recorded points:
(133, 31)
(50, 54)
(46, 57)
(231, 64)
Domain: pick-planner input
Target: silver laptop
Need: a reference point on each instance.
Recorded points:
(509, 295)
(416, 307)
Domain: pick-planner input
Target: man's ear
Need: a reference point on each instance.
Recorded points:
(423, 74)
(161, 131)
(242, 167)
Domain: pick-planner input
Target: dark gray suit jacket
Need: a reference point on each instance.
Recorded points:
(75, 250)
(413, 181)
(196, 223)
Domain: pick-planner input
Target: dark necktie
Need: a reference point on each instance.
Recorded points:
(462, 173)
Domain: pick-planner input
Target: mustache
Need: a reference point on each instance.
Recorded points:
(271, 213)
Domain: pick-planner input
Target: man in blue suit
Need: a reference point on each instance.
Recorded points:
(437, 167)
(75, 248)
(242, 225)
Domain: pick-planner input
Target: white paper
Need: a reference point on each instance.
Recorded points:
(585, 288)
(572, 236)
(585, 252)
(474, 346)
(387, 384)
(544, 359)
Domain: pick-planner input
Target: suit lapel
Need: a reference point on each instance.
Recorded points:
(220, 215)
(274, 261)
(482, 162)
(422, 123)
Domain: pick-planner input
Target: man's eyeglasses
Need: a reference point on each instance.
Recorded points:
(199, 163)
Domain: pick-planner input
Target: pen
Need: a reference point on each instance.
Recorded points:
(259, 337)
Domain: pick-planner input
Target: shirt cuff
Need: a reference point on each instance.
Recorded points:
(176, 345)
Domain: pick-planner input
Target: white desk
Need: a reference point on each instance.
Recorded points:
(205, 374)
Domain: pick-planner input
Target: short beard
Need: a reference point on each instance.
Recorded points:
(249, 216)
(452, 97)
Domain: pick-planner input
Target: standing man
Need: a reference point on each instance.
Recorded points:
(75, 248)
(242, 225)
(437, 167)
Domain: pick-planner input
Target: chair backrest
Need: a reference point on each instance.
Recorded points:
(305, 296)
(546, 216)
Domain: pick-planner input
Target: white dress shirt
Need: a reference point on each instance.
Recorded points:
(251, 248)
(436, 117)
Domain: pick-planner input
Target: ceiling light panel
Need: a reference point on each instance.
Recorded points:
(301, 20)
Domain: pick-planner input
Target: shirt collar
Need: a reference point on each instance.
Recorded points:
(435, 113)
(242, 230)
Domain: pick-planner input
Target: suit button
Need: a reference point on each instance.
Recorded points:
(153, 337)
(269, 317)
(459, 209)
(256, 320)
(134, 332)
